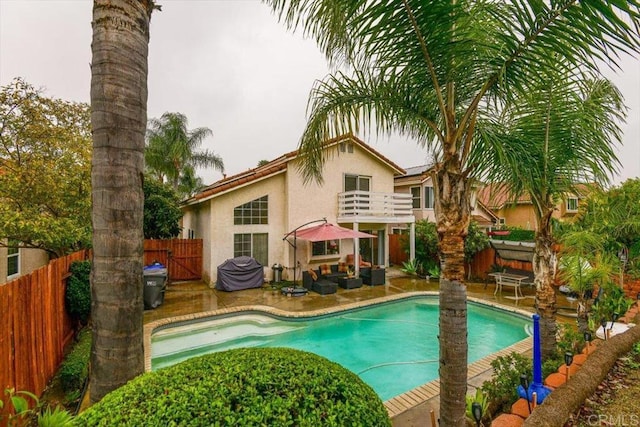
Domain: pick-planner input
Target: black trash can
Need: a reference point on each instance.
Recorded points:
(155, 284)
(277, 272)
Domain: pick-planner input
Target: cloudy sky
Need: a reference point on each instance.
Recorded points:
(227, 64)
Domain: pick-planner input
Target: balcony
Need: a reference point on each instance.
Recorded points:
(365, 206)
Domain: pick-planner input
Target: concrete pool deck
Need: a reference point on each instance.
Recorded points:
(191, 300)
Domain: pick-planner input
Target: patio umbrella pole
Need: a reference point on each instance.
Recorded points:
(295, 246)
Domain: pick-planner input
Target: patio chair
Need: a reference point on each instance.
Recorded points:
(362, 263)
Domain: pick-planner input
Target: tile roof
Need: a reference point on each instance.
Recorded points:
(496, 196)
(278, 165)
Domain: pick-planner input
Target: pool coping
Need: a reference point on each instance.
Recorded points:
(396, 405)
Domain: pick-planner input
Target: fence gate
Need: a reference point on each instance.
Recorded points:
(183, 257)
(397, 254)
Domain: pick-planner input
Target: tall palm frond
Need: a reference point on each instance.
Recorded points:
(436, 71)
(557, 135)
(464, 53)
(172, 148)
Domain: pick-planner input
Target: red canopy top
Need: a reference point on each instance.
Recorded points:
(328, 231)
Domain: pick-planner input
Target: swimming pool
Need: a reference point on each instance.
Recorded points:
(391, 346)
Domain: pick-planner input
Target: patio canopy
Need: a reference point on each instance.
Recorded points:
(319, 233)
(518, 251)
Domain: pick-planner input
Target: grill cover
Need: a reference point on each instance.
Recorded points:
(239, 273)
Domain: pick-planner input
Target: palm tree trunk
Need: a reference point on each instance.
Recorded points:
(452, 216)
(118, 118)
(545, 294)
(584, 306)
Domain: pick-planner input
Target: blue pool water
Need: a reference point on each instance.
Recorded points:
(393, 347)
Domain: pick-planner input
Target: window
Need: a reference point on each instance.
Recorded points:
(357, 182)
(326, 247)
(192, 234)
(415, 194)
(428, 198)
(254, 212)
(399, 230)
(346, 147)
(572, 204)
(254, 245)
(13, 259)
(502, 222)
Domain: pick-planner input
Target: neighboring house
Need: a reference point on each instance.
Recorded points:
(16, 262)
(417, 182)
(520, 213)
(250, 213)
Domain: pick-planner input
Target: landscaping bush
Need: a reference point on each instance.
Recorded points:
(78, 293)
(568, 340)
(551, 365)
(75, 367)
(255, 386)
(517, 234)
(502, 389)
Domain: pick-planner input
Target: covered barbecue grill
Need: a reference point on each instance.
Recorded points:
(240, 273)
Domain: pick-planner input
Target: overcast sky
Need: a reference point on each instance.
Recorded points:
(227, 65)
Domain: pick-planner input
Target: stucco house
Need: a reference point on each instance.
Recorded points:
(512, 212)
(417, 182)
(251, 212)
(16, 262)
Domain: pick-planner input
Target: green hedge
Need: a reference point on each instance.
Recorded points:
(78, 293)
(75, 367)
(255, 386)
(518, 235)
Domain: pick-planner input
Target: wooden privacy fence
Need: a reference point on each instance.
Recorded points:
(397, 254)
(486, 258)
(480, 266)
(35, 327)
(183, 257)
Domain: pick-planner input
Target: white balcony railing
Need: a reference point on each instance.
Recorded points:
(375, 206)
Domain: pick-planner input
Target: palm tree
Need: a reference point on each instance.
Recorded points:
(172, 150)
(430, 70)
(118, 118)
(583, 265)
(562, 132)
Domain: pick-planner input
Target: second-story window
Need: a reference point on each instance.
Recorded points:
(428, 198)
(346, 147)
(415, 196)
(254, 212)
(357, 182)
(572, 204)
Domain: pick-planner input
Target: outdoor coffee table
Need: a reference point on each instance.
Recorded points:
(349, 282)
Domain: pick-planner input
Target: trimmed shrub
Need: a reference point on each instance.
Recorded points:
(249, 386)
(75, 367)
(502, 389)
(77, 296)
(517, 234)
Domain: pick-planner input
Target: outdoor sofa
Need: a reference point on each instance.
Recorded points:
(319, 284)
(324, 279)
